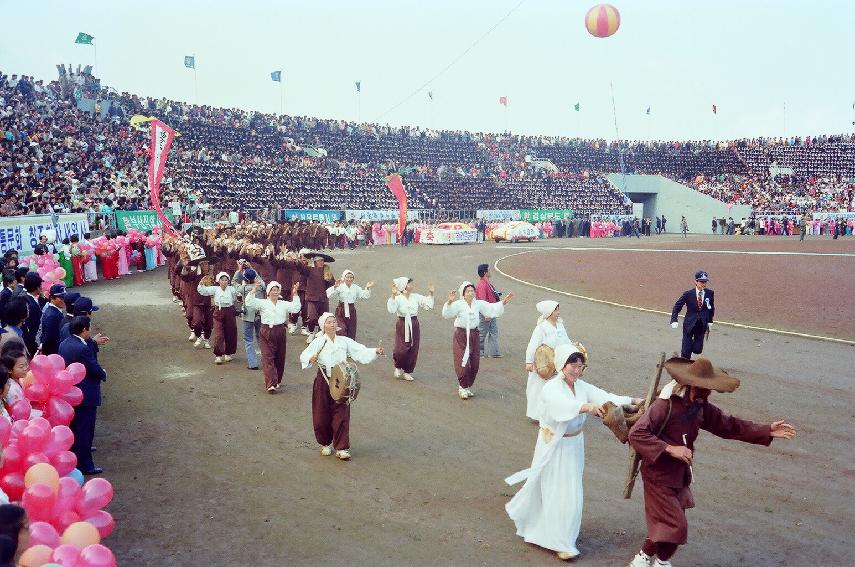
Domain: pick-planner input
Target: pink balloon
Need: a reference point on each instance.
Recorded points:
(103, 522)
(38, 501)
(41, 368)
(73, 396)
(59, 411)
(96, 555)
(61, 439)
(13, 485)
(12, 459)
(57, 362)
(97, 493)
(21, 410)
(5, 431)
(49, 276)
(43, 533)
(66, 555)
(18, 427)
(36, 392)
(64, 462)
(34, 459)
(77, 369)
(60, 273)
(41, 423)
(67, 495)
(65, 519)
(33, 439)
(62, 382)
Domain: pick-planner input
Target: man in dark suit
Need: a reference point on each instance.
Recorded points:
(52, 318)
(9, 285)
(76, 348)
(33, 295)
(700, 309)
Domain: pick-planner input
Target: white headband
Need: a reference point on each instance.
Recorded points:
(401, 283)
(344, 274)
(271, 285)
(323, 319)
(221, 274)
(546, 308)
(463, 287)
(562, 353)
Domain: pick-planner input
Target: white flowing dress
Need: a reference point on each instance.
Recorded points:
(547, 510)
(545, 333)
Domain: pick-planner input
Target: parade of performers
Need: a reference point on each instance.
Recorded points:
(465, 343)
(547, 510)
(406, 304)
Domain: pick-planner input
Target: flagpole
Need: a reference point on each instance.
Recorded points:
(195, 81)
(95, 71)
(785, 119)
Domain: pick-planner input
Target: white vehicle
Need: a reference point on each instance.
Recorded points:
(515, 231)
(449, 233)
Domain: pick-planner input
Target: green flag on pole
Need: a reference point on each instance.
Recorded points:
(84, 38)
(190, 61)
(576, 107)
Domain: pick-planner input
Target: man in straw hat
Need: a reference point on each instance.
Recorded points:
(547, 511)
(665, 436)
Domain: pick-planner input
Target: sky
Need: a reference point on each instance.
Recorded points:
(772, 68)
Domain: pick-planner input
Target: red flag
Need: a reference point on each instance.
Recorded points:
(397, 187)
(161, 139)
(714, 109)
(503, 100)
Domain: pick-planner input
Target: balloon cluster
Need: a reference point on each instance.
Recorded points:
(48, 268)
(103, 246)
(67, 519)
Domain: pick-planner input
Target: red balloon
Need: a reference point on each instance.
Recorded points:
(21, 410)
(18, 427)
(65, 519)
(96, 555)
(64, 462)
(38, 501)
(12, 459)
(62, 382)
(33, 439)
(59, 411)
(5, 431)
(73, 396)
(41, 423)
(61, 439)
(103, 522)
(13, 485)
(37, 392)
(77, 370)
(43, 533)
(97, 493)
(66, 555)
(67, 495)
(57, 362)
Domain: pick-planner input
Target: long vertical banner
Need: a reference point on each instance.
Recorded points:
(397, 187)
(161, 140)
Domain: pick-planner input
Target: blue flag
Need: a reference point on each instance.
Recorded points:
(276, 76)
(190, 61)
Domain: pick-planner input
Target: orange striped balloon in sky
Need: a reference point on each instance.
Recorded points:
(602, 20)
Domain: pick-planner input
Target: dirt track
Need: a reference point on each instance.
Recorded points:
(210, 470)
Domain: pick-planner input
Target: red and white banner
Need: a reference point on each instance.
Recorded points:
(397, 187)
(161, 140)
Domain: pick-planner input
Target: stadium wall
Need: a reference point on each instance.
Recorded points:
(659, 195)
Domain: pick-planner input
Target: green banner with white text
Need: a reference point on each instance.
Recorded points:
(538, 215)
(139, 220)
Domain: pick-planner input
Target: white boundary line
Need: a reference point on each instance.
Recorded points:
(658, 312)
(745, 252)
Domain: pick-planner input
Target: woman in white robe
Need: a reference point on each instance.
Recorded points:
(549, 331)
(347, 293)
(547, 510)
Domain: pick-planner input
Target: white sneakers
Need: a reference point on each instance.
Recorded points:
(271, 390)
(292, 328)
(343, 455)
(408, 377)
(465, 393)
(227, 358)
(641, 559)
(326, 450)
(218, 360)
(304, 331)
(207, 344)
(566, 555)
(192, 337)
(398, 373)
(198, 343)
(660, 563)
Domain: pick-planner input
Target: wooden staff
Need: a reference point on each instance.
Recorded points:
(635, 458)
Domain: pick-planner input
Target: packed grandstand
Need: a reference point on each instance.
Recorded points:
(67, 147)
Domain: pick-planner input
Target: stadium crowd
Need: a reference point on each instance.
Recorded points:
(58, 156)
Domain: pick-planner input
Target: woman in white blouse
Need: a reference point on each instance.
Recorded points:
(223, 297)
(347, 293)
(547, 510)
(549, 331)
(465, 349)
(405, 304)
(331, 419)
(274, 313)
